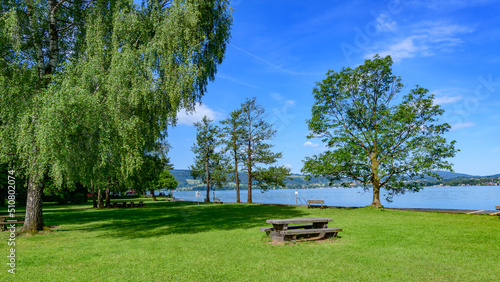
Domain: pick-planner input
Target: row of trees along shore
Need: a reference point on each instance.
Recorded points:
(370, 136)
(88, 87)
(239, 143)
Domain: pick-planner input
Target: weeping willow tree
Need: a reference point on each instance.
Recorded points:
(111, 77)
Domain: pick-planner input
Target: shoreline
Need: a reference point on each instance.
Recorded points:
(461, 211)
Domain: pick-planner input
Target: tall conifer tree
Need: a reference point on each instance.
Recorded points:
(210, 164)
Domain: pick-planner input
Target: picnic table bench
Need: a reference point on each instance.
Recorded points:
(124, 205)
(497, 208)
(217, 201)
(4, 220)
(3, 224)
(316, 227)
(305, 226)
(312, 203)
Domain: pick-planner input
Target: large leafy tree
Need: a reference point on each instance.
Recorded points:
(234, 139)
(154, 175)
(98, 82)
(36, 36)
(166, 180)
(210, 164)
(257, 151)
(373, 134)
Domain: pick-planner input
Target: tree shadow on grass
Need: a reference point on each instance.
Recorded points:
(162, 219)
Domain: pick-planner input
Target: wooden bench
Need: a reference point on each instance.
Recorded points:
(269, 229)
(308, 233)
(141, 204)
(496, 213)
(217, 201)
(3, 217)
(313, 203)
(4, 220)
(3, 224)
(282, 229)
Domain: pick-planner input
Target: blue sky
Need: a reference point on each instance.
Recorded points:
(280, 49)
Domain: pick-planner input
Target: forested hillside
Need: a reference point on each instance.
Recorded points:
(186, 182)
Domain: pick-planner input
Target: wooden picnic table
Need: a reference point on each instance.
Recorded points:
(282, 231)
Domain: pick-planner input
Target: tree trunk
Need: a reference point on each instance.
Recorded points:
(236, 177)
(152, 191)
(99, 198)
(249, 163)
(108, 200)
(34, 211)
(93, 195)
(53, 38)
(207, 177)
(249, 200)
(375, 181)
(376, 195)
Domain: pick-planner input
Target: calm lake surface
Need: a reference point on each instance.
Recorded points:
(473, 198)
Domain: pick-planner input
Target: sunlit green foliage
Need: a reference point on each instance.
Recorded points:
(373, 135)
(87, 86)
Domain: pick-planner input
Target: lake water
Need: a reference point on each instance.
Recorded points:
(473, 198)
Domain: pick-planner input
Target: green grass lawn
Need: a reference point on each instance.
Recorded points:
(207, 242)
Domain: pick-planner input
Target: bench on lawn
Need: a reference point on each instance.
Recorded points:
(141, 204)
(314, 227)
(313, 203)
(497, 207)
(320, 233)
(3, 217)
(3, 224)
(217, 201)
(270, 229)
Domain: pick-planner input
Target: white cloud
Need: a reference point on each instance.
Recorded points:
(385, 23)
(201, 110)
(310, 144)
(447, 100)
(402, 49)
(459, 126)
(288, 166)
(425, 39)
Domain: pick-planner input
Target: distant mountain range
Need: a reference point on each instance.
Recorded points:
(183, 176)
(450, 175)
